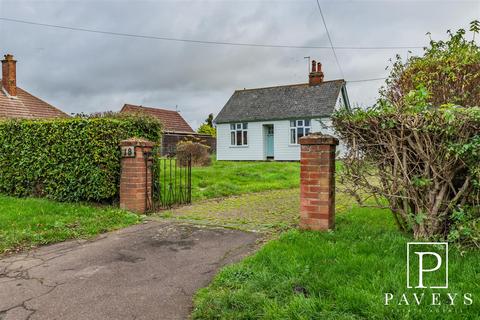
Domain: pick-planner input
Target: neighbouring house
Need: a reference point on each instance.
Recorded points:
(175, 128)
(266, 123)
(18, 103)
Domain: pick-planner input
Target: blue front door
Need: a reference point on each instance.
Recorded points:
(270, 141)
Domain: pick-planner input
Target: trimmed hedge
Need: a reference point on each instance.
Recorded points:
(75, 159)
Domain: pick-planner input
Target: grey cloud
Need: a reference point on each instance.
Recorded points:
(81, 72)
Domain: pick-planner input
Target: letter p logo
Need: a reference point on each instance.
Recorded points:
(427, 265)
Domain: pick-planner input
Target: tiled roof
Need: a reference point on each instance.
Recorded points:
(282, 102)
(26, 106)
(172, 120)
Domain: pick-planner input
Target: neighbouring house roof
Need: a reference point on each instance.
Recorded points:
(172, 120)
(282, 102)
(26, 106)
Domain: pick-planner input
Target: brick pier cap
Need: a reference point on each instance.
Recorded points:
(137, 142)
(319, 138)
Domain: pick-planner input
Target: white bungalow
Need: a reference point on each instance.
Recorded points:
(266, 123)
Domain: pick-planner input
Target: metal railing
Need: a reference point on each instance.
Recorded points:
(171, 182)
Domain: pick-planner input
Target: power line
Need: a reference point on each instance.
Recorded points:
(330, 40)
(210, 42)
(224, 43)
(365, 80)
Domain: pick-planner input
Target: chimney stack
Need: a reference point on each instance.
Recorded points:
(9, 75)
(316, 75)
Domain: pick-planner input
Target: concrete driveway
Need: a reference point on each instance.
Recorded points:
(148, 271)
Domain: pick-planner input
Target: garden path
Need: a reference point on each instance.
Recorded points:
(267, 211)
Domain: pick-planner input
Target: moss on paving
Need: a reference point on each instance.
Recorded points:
(262, 211)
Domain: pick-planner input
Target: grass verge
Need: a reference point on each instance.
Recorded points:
(342, 274)
(29, 222)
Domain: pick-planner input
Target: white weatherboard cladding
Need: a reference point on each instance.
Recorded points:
(256, 148)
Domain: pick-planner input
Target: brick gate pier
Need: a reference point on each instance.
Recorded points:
(317, 182)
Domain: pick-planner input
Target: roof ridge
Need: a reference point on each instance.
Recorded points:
(287, 85)
(172, 120)
(152, 108)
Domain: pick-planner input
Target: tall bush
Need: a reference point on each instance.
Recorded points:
(207, 127)
(75, 159)
(417, 150)
(448, 70)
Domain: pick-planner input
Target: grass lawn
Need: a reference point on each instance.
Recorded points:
(342, 274)
(226, 178)
(29, 222)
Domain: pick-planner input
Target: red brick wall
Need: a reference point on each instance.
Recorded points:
(317, 182)
(136, 178)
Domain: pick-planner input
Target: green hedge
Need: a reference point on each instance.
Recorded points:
(75, 159)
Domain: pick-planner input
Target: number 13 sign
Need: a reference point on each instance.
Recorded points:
(128, 152)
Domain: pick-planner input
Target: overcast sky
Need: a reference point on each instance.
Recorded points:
(85, 72)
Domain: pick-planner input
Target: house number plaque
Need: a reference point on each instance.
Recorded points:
(128, 152)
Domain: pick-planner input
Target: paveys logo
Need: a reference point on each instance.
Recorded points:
(427, 265)
(427, 278)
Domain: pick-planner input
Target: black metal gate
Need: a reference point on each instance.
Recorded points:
(171, 182)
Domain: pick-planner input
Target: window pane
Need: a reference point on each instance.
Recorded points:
(299, 133)
(239, 126)
(245, 141)
(292, 136)
(299, 123)
(232, 138)
(307, 122)
(232, 126)
(245, 126)
(239, 138)
(307, 131)
(292, 123)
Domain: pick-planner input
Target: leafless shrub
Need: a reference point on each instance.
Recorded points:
(197, 152)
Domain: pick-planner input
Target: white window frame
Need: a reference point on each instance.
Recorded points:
(234, 129)
(297, 124)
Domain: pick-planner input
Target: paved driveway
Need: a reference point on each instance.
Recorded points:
(148, 271)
